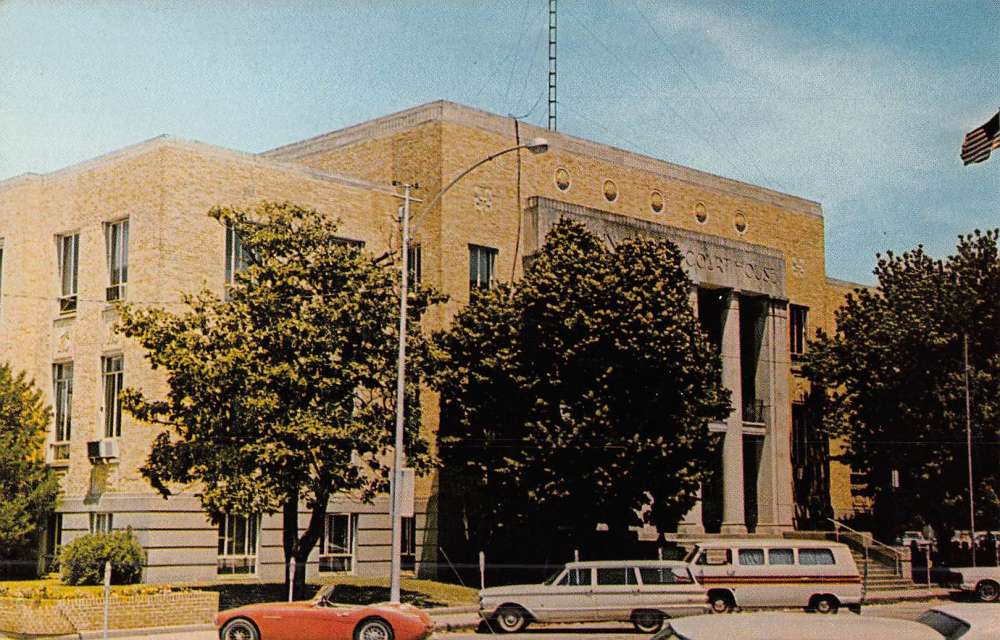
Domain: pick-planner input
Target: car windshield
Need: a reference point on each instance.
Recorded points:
(950, 627)
(552, 579)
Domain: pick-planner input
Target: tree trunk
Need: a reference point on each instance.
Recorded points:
(299, 547)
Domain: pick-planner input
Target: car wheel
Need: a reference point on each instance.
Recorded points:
(239, 629)
(647, 621)
(988, 591)
(825, 604)
(511, 619)
(721, 602)
(373, 629)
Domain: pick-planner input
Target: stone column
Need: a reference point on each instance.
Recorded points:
(733, 521)
(692, 522)
(776, 502)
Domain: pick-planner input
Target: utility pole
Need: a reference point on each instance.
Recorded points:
(968, 447)
(396, 493)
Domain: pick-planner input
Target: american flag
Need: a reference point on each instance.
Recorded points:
(980, 141)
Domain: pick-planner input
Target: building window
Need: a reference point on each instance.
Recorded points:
(236, 258)
(336, 549)
(408, 549)
(238, 544)
(62, 380)
(53, 540)
(113, 377)
(413, 265)
(69, 256)
(117, 242)
(1, 272)
(797, 327)
(482, 267)
(101, 522)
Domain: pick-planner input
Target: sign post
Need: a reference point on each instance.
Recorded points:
(107, 596)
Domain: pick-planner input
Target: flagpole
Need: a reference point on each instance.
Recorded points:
(968, 447)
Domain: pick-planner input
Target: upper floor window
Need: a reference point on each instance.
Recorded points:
(797, 327)
(69, 256)
(62, 378)
(117, 241)
(238, 544)
(236, 256)
(1, 271)
(101, 522)
(482, 267)
(112, 367)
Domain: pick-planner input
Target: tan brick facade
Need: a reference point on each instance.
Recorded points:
(165, 187)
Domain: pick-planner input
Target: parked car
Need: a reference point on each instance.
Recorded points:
(321, 618)
(746, 572)
(643, 592)
(984, 582)
(944, 622)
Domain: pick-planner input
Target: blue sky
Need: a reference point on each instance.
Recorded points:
(859, 105)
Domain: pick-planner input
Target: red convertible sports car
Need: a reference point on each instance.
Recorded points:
(320, 619)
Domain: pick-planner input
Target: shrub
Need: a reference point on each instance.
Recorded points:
(82, 561)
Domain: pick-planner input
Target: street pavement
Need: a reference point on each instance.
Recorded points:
(610, 631)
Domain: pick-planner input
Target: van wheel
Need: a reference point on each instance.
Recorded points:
(987, 591)
(721, 602)
(825, 604)
(511, 618)
(647, 621)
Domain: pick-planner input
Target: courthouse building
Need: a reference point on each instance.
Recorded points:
(132, 225)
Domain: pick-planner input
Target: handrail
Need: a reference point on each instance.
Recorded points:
(868, 540)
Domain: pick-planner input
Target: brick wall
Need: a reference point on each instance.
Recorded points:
(61, 617)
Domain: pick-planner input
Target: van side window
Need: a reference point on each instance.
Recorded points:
(665, 575)
(780, 556)
(752, 557)
(615, 576)
(715, 557)
(576, 578)
(816, 556)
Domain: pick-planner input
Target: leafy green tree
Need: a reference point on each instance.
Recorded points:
(284, 392)
(28, 488)
(581, 394)
(896, 392)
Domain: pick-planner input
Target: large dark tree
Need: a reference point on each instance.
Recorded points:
(580, 395)
(896, 392)
(284, 392)
(28, 489)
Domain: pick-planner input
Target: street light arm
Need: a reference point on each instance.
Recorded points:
(535, 144)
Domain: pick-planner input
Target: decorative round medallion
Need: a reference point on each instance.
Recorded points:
(656, 202)
(740, 222)
(562, 179)
(610, 191)
(700, 212)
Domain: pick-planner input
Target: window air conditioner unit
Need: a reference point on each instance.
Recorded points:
(58, 453)
(115, 292)
(101, 450)
(67, 304)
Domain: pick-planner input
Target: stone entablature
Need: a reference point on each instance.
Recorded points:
(710, 261)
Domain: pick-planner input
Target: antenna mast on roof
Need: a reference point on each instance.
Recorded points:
(552, 65)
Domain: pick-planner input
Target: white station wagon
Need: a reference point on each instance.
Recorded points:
(643, 592)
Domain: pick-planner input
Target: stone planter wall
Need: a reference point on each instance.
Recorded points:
(26, 618)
